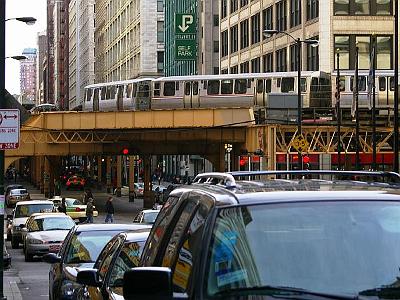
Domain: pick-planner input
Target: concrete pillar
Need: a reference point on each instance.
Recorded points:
(148, 200)
(131, 178)
(108, 176)
(99, 172)
(119, 172)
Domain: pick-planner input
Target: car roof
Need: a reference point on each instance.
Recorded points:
(45, 215)
(11, 186)
(146, 211)
(110, 227)
(33, 202)
(58, 198)
(137, 235)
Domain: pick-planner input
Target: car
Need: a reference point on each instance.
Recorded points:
(147, 216)
(75, 182)
(75, 208)
(43, 108)
(303, 238)
(80, 250)
(138, 190)
(11, 187)
(120, 254)
(22, 211)
(44, 233)
(6, 257)
(16, 195)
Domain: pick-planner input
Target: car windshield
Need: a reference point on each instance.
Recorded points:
(22, 211)
(51, 224)
(150, 217)
(86, 246)
(70, 202)
(333, 247)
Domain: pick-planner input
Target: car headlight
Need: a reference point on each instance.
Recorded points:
(68, 287)
(35, 241)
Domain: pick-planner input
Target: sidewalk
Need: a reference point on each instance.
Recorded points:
(10, 285)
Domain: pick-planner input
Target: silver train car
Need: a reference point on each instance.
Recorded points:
(207, 91)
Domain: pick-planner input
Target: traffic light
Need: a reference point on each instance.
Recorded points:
(306, 162)
(125, 151)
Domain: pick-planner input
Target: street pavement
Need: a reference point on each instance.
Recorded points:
(29, 280)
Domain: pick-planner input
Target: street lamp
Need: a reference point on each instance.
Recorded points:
(313, 43)
(228, 149)
(17, 57)
(26, 20)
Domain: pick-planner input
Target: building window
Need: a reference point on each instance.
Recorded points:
(363, 7)
(216, 46)
(216, 20)
(268, 19)
(234, 39)
(216, 70)
(224, 71)
(268, 63)
(224, 8)
(294, 51)
(160, 61)
(234, 70)
(312, 9)
(160, 31)
(255, 65)
(244, 67)
(281, 15)
(244, 2)
(342, 43)
(313, 56)
(224, 43)
(281, 65)
(234, 6)
(384, 52)
(160, 5)
(295, 18)
(255, 28)
(244, 34)
(363, 43)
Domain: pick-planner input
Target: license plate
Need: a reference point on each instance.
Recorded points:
(54, 248)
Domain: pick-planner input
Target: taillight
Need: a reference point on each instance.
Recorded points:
(82, 182)
(68, 183)
(74, 180)
(77, 209)
(65, 177)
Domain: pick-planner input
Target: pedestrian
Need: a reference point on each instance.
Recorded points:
(109, 210)
(63, 207)
(89, 211)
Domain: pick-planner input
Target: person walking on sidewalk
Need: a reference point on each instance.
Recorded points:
(63, 207)
(109, 210)
(89, 211)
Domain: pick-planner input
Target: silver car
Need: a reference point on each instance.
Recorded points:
(44, 233)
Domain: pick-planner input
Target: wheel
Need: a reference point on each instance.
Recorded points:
(28, 256)
(14, 243)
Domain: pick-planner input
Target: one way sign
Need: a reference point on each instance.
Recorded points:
(9, 129)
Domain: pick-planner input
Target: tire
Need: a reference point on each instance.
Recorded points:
(14, 243)
(28, 256)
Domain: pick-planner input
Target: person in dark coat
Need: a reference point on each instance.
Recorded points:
(109, 210)
(89, 210)
(63, 207)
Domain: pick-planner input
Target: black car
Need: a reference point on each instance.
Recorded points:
(122, 253)
(80, 249)
(304, 238)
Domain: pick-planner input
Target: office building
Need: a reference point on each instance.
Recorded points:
(41, 54)
(28, 76)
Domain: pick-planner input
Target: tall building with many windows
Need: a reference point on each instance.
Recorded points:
(81, 49)
(125, 32)
(40, 74)
(337, 24)
(28, 76)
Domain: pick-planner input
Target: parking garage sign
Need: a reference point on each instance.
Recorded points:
(9, 129)
(185, 37)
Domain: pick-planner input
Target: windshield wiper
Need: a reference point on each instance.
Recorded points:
(385, 292)
(284, 291)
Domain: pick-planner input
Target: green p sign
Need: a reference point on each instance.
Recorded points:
(185, 37)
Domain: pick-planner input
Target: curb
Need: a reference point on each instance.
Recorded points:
(11, 290)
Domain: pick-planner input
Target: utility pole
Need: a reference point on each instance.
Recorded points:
(374, 166)
(355, 88)
(338, 113)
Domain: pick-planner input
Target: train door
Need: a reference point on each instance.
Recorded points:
(119, 97)
(259, 93)
(383, 92)
(191, 95)
(96, 98)
(143, 98)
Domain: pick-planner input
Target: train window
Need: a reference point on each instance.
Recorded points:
(260, 86)
(143, 90)
(195, 88)
(314, 84)
(382, 84)
(278, 82)
(362, 83)
(240, 86)
(227, 87)
(169, 88)
(268, 86)
(156, 89)
(287, 84)
(89, 95)
(134, 90)
(129, 90)
(392, 83)
(120, 91)
(213, 87)
(303, 83)
(103, 93)
(187, 88)
(110, 92)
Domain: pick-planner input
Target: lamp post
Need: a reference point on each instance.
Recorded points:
(338, 112)
(17, 57)
(314, 43)
(396, 87)
(29, 21)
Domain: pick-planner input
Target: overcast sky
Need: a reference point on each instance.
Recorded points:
(20, 36)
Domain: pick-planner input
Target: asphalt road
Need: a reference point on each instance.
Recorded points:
(33, 276)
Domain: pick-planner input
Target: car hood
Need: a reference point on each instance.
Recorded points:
(50, 235)
(71, 271)
(19, 221)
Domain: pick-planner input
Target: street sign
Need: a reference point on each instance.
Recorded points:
(300, 144)
(185, 37)
(9, 129)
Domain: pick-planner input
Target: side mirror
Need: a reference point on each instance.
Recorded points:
(51, 258)
(89, 277)
(148, 283)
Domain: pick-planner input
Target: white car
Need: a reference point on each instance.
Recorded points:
(44, 233)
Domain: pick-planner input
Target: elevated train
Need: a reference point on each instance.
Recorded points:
(235, 90)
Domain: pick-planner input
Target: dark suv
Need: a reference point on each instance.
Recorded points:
(283, 238)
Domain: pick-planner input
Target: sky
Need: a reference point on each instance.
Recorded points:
(20, 36)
